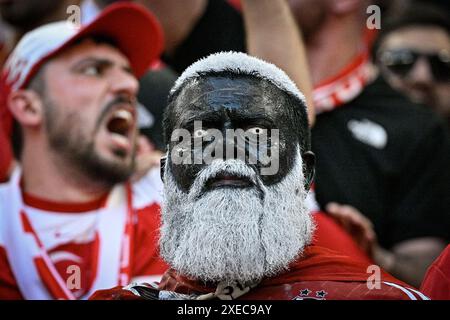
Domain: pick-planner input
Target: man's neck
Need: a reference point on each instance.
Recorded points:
(332, 48)
(48, 177)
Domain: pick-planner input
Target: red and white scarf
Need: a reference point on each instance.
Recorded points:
(345, 86)
(35, 273)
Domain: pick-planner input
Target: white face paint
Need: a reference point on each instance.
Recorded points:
(234, 234)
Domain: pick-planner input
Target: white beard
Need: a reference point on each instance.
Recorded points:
(234, 234)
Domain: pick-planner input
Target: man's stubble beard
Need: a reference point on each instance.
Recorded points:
(77, 147)
(232, 234)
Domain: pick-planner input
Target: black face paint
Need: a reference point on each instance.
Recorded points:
(235, 102)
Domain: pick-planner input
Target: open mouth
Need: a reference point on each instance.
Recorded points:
(121, 122)
(228, 180)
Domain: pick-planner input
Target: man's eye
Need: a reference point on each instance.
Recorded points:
(200, 133)
(256, 130)
(92, 71)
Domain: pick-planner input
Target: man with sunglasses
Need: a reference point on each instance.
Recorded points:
(376, 151)
(414, 56)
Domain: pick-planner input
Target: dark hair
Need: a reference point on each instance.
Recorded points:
(98, 39)
(104, 3)
(414, 14)
(295, 108)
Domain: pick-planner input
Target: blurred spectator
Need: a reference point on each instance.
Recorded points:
(74, 97)
(376, 152)
(195, 28)
(413, 52)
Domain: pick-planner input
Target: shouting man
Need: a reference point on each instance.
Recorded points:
(235, 223)
(70, 222)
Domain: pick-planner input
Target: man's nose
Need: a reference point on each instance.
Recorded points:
(124, 82)
(421, 72)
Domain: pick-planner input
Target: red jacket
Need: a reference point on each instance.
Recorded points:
(320, 274)
(436, 283)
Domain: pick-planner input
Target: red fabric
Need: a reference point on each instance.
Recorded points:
(319, 269)
(54, 206)
(50, 282)
(330, 235)
(145, 257)
(116, 293)
(328, 290)
(6, 155)
(436, 283)
(323, 264)
(8, 285)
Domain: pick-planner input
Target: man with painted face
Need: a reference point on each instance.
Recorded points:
(235, 224)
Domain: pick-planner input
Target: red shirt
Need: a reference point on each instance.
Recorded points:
(436, 283)
(329, 234)
(320, 274)
(57, 222)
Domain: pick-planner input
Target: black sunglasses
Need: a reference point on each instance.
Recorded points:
(401, 61)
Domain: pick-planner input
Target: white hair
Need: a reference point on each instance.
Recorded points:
(240, 63)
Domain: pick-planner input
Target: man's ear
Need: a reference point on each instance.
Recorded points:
(309, 160)
(26, 107)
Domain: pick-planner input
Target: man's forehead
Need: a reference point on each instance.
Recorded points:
(246, 94)
(425, 38)
(90, 48)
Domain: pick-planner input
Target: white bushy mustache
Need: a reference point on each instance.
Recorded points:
(230, 167)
